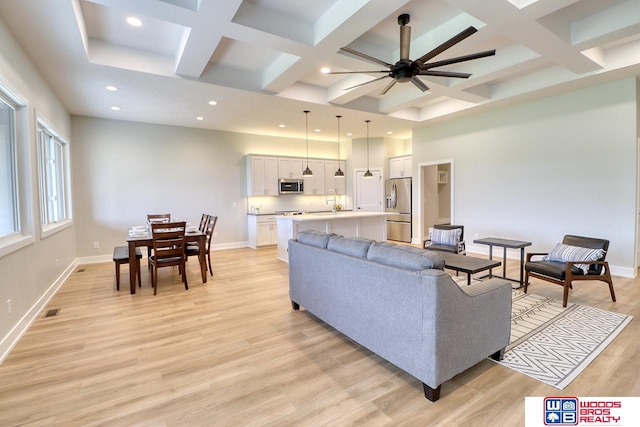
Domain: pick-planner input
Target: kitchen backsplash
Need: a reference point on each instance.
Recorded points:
(268, 205)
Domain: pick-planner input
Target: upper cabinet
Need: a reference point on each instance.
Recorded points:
(401, 167)
(262, 176)
(289, 167)
(315, 185)
(337, 184)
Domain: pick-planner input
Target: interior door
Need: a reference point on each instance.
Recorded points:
(369, 192)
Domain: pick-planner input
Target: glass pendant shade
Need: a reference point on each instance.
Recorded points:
(307, 171)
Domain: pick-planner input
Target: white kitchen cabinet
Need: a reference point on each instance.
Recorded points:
(401, 167)
(331, 181)
(262, 176)
(290, 168)
(262, 230)
(314, 184)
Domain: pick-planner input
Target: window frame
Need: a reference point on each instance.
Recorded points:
(62, 177)
(21, 173)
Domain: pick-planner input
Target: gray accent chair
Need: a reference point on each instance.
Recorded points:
(565, 273)
(457, 248)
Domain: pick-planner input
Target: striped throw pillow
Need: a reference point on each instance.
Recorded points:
(445, 237)
(564, 253)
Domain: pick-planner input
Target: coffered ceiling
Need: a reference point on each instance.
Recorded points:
(260, 60)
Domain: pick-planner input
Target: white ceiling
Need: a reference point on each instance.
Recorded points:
(261, 59)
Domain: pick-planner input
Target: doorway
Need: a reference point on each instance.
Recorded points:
(436, 195)
(368, 191)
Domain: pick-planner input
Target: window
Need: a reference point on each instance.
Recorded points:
(9, 212)
(53, 171)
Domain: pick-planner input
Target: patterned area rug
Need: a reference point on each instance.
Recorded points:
(553, 344)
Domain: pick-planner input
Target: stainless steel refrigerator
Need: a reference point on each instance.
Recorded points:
(398, 203)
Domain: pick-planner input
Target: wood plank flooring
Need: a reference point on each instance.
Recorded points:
(232, 352)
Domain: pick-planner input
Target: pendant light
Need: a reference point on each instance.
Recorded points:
(307, 171)
(339, 173)
(368, 173)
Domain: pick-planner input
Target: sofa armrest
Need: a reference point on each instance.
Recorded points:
(486, 286)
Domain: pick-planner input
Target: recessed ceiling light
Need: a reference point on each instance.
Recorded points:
(389, 133)
(200, 118)
(349, 134)
(111, 88)
(115, 108)
(133, 21)
(316, 130)
(212, 102)
(282, 126)
(325, 70)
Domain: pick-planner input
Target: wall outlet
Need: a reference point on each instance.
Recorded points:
(9, 306)
(235, 205)
(215, 235)
(57, 263)
(96, 245)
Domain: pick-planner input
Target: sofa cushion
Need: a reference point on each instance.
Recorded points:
(314, 238)
(407, 257)
(564, 253)
(354, 246)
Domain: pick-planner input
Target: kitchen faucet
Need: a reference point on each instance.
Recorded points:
(326, 198)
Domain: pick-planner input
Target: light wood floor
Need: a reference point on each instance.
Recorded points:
(233, 353)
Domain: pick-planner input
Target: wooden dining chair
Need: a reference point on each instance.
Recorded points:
(153, 218)
(193, 249)
(203, 222)
(168, 250)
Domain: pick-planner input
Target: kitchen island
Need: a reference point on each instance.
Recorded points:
(370, 225)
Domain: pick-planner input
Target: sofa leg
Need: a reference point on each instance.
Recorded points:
(295, 305)
(431, 394)
(498, 355)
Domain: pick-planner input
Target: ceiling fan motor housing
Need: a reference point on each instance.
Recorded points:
(404, 70)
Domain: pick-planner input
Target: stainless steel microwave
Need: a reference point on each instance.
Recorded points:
(290, 186)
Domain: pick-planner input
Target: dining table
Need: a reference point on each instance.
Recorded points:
(137, 238)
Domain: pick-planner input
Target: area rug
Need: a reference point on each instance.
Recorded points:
(553, 344)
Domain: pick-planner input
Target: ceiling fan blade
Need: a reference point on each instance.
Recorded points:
(366, 83)
(444, 74)
(449, 43)
(405, 41)
(389, 86)
(365, 56)
(419, 84)
(357, 72)
(458, 59)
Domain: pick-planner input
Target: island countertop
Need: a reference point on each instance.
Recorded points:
(369, 225)
(330, 216)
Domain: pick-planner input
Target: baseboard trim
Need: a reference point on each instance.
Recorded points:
(20, 328)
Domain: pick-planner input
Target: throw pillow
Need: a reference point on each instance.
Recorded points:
(445, 237)
(564, 253)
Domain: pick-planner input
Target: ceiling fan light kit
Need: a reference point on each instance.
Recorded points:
(406, 70)
(339, 173)
(368, 173)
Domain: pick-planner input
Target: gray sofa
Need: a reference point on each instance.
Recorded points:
(399, 303)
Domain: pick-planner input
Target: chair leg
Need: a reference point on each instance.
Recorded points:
(209, 259)
(565, 295)
(154, 279)
(184, 276)
(607, 278)
(526, 281)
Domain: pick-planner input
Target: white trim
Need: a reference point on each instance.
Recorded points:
(49, 229)
(13, 243)
(417, 211)
(11, 339)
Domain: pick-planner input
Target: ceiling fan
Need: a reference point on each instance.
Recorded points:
(406, 70)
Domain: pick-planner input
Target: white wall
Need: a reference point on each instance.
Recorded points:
(536, 171)
(27, 274)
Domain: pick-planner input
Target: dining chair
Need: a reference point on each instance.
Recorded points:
(203, 222)
(193, 249)
(168, 250)
(153, 218)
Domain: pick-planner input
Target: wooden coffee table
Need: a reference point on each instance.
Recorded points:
(468, 264)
